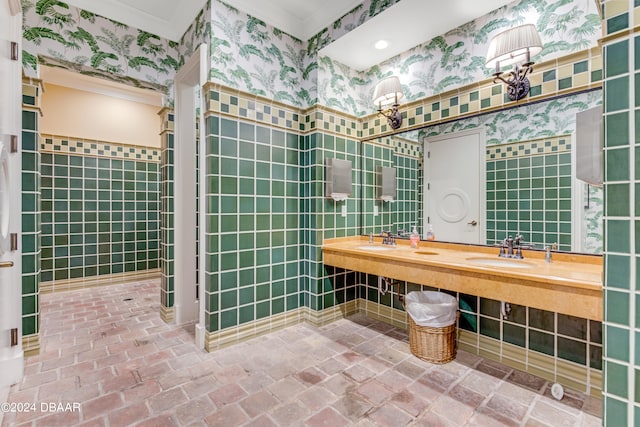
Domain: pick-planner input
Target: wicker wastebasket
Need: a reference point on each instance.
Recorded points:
(435, 345)
(432, 318)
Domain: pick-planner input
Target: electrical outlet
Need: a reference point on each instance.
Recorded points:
(376, 212)
(344, 210)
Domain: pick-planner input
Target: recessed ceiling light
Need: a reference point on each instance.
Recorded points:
(381, 44)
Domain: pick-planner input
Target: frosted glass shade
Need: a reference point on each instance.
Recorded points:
(388, 91)
(511, 46)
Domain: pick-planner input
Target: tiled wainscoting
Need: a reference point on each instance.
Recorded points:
(529, 190)
(31, 214)
(100, 210)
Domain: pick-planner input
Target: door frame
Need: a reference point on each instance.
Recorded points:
(191, 77)
(11, 356)
(482, 188)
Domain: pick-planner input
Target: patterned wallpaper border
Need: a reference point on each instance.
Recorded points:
(88, 147)
(574, 73)
(531, 147)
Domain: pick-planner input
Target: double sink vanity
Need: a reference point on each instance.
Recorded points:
(571, 284)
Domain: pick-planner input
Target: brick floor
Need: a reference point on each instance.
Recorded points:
(107, 351)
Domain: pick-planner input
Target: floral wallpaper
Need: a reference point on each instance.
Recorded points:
(457, 58)
(57, 34)
(250, 55)
(198, 32)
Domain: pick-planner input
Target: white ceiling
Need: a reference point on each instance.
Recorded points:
(165, 18)
(60, 77)
(300, 18)
(405, 25)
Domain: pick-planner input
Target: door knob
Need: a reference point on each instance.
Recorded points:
(474, 222)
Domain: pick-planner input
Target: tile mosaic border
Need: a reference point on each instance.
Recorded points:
(228, 102)
(530, 147)
(88, 147)
(618, 16)
(225, 101)
(574, 73)
(167, 120)
(401, 146)
(577, 72)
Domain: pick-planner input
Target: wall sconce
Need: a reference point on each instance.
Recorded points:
(514, 46)
(386, 96)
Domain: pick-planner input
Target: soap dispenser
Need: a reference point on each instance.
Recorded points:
(415, 238)
(430, 234)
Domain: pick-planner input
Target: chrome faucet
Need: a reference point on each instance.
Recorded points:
(547, 255)
(512, 247)
(388, 238)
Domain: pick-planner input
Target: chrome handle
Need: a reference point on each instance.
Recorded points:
(6, 264)
(474, 222)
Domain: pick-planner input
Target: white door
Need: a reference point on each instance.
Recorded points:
(11, 355)
(454, 187)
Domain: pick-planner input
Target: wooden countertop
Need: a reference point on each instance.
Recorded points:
(571, 284)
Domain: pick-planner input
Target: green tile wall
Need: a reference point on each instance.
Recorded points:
(375, 155)
(100, 216)
(30, 213)
(324, 286)
(253, 221)
(404, 212)
(529, 191)
(408, 206)
(621, 244)
(166, 215)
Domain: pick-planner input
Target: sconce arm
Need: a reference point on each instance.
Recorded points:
(517, 83)
(394, 117)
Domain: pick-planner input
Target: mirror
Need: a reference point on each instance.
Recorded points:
(529, 182)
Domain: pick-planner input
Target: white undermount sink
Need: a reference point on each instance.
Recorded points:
(375, 248)
(500, 262)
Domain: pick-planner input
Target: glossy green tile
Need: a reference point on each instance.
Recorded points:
(228, 319)
(618, 232)
(575, 351)
(541, 342)
(490, 327)
(617, 23)
(616, 58)
(514, 334)
(541, 319)
(617, 164)
(617, 94)
(616, 343)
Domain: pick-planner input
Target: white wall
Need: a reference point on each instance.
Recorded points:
(87, 115)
